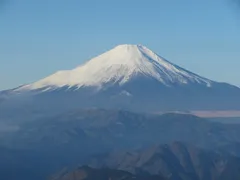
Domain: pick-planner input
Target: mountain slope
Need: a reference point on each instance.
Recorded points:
(128, 77)
(176, 161)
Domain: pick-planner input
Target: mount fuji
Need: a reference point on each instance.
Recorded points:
(120, 66)
(128, 77)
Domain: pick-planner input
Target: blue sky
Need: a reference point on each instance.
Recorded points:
(38, 38)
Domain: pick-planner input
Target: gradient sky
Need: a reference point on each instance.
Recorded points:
(40, 37)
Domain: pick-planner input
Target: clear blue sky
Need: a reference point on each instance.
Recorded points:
(40, 37)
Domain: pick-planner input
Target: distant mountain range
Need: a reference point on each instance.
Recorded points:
(73, 138)
(101, 128)
(130, 77)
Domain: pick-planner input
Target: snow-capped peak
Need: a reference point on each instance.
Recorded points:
(119, 65)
